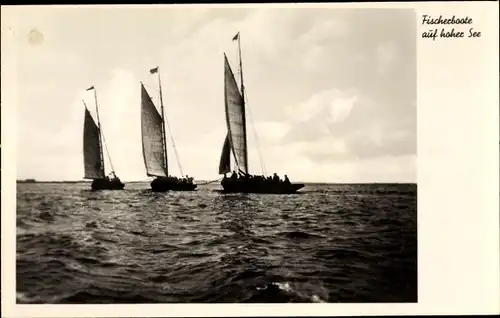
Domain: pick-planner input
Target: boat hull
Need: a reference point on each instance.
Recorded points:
(230, 186)
(162, 185)
(106, 184)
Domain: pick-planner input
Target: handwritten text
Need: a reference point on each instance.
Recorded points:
(449, 33)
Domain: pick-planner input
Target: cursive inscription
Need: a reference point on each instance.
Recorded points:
(450, 32)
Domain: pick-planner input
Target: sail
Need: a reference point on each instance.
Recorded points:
(225, 159)
(152, 137)
(235, 118)
(93, 165)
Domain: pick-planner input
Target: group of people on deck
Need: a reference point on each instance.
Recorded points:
(243, 177)
(112, 176)
(187, 179)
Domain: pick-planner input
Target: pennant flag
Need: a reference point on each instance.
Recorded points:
(236, 36)
(90, 88)
(154, 70)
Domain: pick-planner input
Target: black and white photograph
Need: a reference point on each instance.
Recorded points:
(217, 155)
(170, 154)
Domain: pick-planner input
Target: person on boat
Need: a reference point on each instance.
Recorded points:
(108, 177)
(287, 181)
(276, 179)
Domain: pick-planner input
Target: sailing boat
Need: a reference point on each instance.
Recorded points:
(236, 142)
(93, 158)
(154, 145)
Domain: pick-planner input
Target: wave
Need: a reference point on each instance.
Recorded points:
(336, 243)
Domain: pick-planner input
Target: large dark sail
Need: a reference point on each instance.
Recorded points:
(152, 137)
(225, 157)
(235, 118)
(93, 163)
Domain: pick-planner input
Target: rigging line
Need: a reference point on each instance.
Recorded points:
(173, 143)
(107, 151)
(102, 134)
(208, 182)
(261, 160)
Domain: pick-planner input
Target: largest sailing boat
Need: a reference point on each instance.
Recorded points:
(236, 142)
(154, 145)
(93, 158)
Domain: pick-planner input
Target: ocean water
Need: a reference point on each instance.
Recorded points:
(332, 243)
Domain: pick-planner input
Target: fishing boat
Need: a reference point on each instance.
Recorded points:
(154, 145)
(236, 142)
(93, 157)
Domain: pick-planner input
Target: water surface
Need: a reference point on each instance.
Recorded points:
(332, 243)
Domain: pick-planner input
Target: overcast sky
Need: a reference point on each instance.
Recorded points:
(332, 92)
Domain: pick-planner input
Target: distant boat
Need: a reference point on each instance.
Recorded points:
(236, 142)
(93, 140)
(154, 145)
(27, 181)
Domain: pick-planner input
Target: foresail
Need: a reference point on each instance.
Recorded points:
(152, 139)
(235, 117)
(225, 159)
(93, 165)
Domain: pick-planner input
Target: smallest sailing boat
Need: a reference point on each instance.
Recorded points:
(154, 145)
(93, 157)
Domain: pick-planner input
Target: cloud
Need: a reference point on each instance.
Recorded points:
(345, 126)
(313, 117)
(332, 105)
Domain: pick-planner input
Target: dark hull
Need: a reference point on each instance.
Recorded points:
(162, 185)
(268, 188)
(106, 184)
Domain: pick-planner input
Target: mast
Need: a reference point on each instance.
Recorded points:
(243, 103)
(163, 131)
(101, 155)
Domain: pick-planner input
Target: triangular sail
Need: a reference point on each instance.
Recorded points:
(152, 137)
(235, 118)
(93, 165)
(225, 157)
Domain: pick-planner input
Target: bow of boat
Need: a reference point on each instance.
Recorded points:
(297, 186)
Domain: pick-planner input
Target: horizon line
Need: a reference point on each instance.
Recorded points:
(30, 180)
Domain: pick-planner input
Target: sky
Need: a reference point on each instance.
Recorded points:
(331, 92)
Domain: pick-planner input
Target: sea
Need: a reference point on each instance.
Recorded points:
(330, 243)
